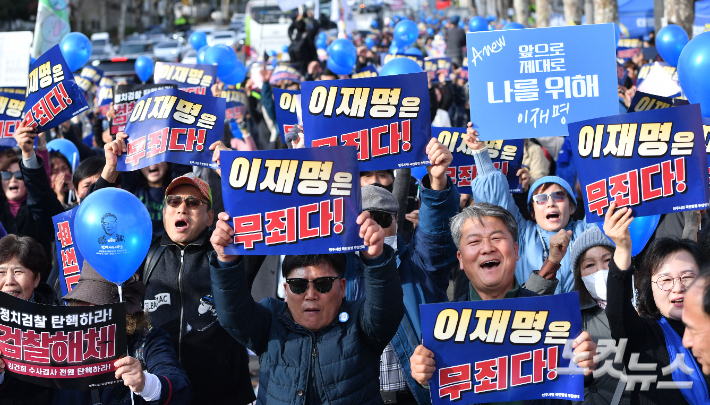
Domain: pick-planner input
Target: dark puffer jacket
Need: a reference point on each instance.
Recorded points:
(344, 357)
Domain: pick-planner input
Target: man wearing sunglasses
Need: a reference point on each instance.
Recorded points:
(316, 347)
(177, 278)
(551, 205)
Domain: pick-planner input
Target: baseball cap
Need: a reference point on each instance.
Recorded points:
(192, 180)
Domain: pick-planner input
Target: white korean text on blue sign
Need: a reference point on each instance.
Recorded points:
(52, 95)
(173, 126)
(190, 78)
(286, 118)
(531, 83)
(507, 157)
(293, 200)
(11, 106)
(502, 350)
(386, 117)
(652, 161)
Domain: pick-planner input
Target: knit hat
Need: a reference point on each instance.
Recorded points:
(588, 239)
(96, 290)
(552, 179)
(376, 198)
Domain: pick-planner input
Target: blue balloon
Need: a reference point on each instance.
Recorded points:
(400, 66)
(321, 43)
(76, 49)
(429, 20)
(198, 39)
(201, 54)
(391, 24)
(393, 49)
(490, 18)
(32, 60)
(375, 24)
(271, 53)
(430, 31)
(418, 172)
(640, 230)
(344, 55)
(284, 49)
(413, 51)
(66, 148)
(336, 68)
(513, 26)
(477, 23)
(693, 68)
(116, 219)
(670, 42)
(405, 33)
(323, 35)
(435, 21)
(441, 13)
(224, 57)
(445, 22)
(237, 76)
(369, 42)
(617, 34)
(144, 67)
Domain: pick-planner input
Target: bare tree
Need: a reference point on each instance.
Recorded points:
(573, 11)
(491, 8)
(76, 16)
(122, 21)
(103, 26)
(606, 11)
(543, 9)
(521, 11)
(589, 11)
(680, 12)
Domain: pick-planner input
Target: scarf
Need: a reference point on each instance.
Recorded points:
(698, 394)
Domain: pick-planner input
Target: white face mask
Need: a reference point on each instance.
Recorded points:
(391, 241)
(596, 284)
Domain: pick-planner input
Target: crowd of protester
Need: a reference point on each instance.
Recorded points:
(483, 245)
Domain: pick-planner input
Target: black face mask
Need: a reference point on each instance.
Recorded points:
(389, 188)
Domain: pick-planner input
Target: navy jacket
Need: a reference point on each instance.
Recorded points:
(424, 266)
(344, 357)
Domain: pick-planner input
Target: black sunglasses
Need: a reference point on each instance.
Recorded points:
(191, 202)
(383, 219)
(8, 175)
(322, 284)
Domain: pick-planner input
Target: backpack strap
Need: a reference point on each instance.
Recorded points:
(151, 260)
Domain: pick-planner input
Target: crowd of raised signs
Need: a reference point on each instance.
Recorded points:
(322, 276)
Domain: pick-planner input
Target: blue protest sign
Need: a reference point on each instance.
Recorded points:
(11, 106)
(652, 161)
(173, 126)
(70, 258)
(285, 73)
(706, 131)
(286, 117)
(386, 57)
(104, 98)
(292, 200)
(658, 78)
(531, 83)
(435, 66)
(621, 74)
(507, 156)
(365, 72)
(52, 95)
(125, 97)
(107, 81)
(236, 109)
(627, 48)
(645, 102)
(190, 78)
(14, 90)
(386, 117)
(93, 74)
(515, 357)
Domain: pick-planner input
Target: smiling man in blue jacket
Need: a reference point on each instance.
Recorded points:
(316, 347)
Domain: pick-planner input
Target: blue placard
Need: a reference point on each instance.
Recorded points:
(386, 57)
(52, 95)
(11, 106)
(706, 131)
(389, 120)
(292, 200)
(125, 97)
(515, 357)
(190, 78)
(173, 126)
(104, 98)
(92, 74)
(69, 257)
(434, 66)
(365, 72)
(531, 83)
(236, 109)
(507, 156)
(286, 116)
(627, 48)
(645, 102)
(658, 78)
(653, 161)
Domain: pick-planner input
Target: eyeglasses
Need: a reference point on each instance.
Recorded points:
(8, 175)
(557, 196)
(322, 284)
(666, 283)
(192, 203)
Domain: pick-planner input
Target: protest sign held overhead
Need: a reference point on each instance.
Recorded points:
(658, 78)
(15, 57)
(296, 200)
(645, 102)
(89, 77)
(386, 57)
(531, 83)
(236, 108)
(502, 350)
(173, 126)
(62, 347)
(53, 96)
(125, 97)
(286, 103)
(104, 98)
(435, 66)
(367, 71)
(11, 106)
(387, 118)
(69, 257)
(652, 161)
(190, 78)
(507, 156)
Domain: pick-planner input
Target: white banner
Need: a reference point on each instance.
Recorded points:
(15, 58)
